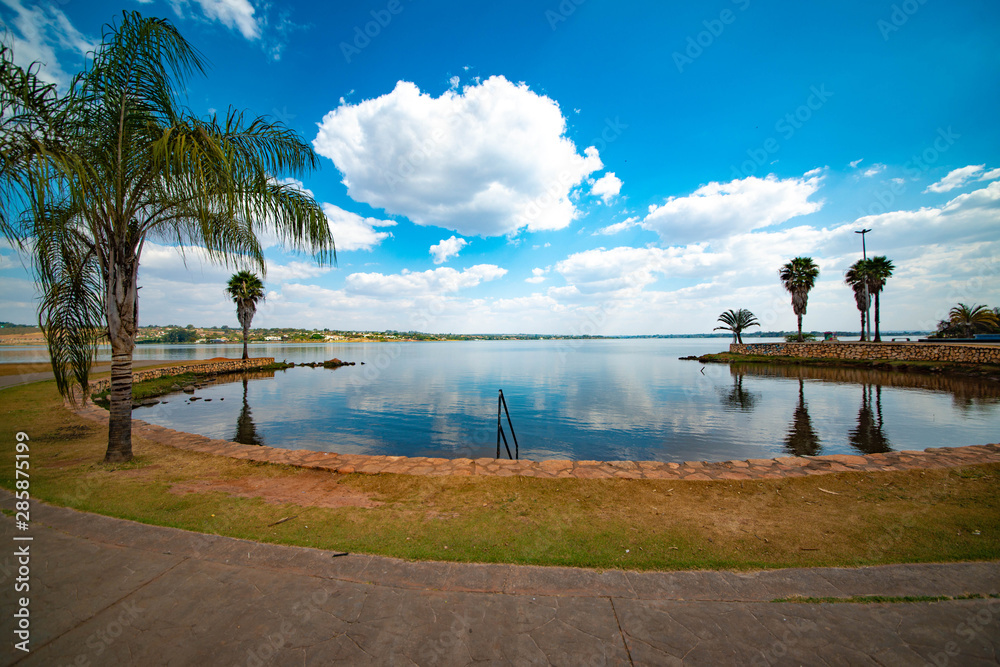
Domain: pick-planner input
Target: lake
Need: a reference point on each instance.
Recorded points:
(622, 399)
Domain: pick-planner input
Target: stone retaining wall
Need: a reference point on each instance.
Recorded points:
(970, 353)
(206, 367)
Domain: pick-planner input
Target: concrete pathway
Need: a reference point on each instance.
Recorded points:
(107, 592)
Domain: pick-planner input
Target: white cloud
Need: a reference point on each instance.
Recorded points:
(234, 14)
(353, 232)
(447, 248)
(617, 227)
(434, 281)
(537, 276)
(718, 210)
(956, 178)
(991, 175)
(854, 163)
(488, 160)
(38, 31)
(874, 170)
(607, 187)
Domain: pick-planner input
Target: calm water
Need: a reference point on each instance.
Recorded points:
(606, 400)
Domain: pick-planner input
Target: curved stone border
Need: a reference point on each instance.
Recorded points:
(786, 466)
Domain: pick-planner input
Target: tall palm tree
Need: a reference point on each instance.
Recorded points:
(245, 289)
(802, 439)
(128, 164)
(857, 278)
(880, 269)
(798, 277)
(736, 321)
(972, 318)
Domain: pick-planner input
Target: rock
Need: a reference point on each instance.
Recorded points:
(336, 363)
(175, 387)
(150, 401)
(195, 398)
(207, 400)
(189, 389)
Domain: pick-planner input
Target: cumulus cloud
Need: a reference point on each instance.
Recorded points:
(874, 170)
(434, 281)
(718, 210)
(353, 232)
(447, 248)
(487, 160)
(607, 187)
(956, 178)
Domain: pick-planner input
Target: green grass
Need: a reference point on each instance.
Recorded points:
(875, 518)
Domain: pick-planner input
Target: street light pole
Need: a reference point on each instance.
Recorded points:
(868, 319)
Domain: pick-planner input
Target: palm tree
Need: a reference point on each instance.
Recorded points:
(245, 289)
(880, 269)
(121, 163)
(856, 277)
(798, 277)
(736, 321)
(802, 439)
(972, 319)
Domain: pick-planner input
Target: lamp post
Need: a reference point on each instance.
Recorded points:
(864, 255)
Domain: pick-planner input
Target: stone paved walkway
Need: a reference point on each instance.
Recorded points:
(111, 592)
(788, 466)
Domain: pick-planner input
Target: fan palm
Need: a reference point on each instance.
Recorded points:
(880, 269)
(972, 319)
(245, 289)
(736, 321)
(857, 278)
(126, 165)
(798, 277)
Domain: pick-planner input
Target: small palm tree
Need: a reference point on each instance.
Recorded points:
(736, 321)
(798, 277)
(245, 289)
(971, 319)
(857, 278)
(880, 269)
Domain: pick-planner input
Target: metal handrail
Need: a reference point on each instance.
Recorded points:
(502, 402)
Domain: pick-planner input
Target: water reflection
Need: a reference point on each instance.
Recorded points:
(869, 437)
(967, 392)
(802, 439)
(610, 400)
(246, 429)
(738, 398)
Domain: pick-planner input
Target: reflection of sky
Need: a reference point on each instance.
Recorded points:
(607, 400)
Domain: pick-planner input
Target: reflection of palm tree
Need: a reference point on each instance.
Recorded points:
(246, 430)
(738, 398)
(802, 439)
(868, 437)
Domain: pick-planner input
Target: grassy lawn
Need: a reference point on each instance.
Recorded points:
(914, 516)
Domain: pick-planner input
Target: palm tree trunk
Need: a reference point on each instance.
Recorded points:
(800, 327)
(878, 337)
(122, 305)
(863, 337)
(246, 332)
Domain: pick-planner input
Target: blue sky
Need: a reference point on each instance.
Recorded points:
(589, 167)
